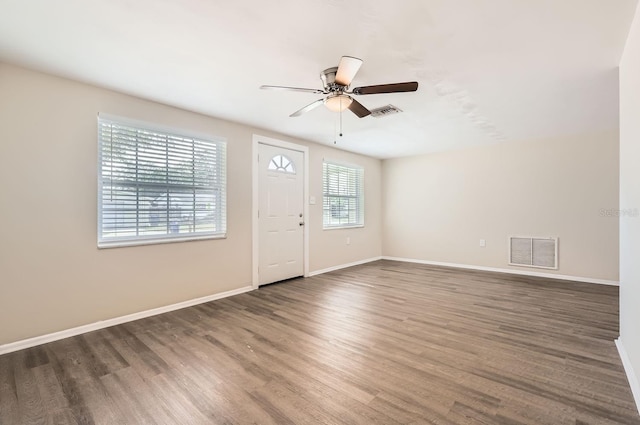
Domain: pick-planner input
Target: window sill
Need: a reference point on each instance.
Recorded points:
(352, 226)
(138, 242)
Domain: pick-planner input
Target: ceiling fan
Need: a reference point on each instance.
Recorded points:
(336, 83)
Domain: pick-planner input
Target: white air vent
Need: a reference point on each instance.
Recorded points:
(533, 252)
(385, 110)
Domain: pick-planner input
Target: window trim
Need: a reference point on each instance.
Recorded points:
(156, 239)
(360, 198)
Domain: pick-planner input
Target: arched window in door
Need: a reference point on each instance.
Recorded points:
(282, 163)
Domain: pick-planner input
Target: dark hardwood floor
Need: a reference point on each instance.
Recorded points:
(381, 343)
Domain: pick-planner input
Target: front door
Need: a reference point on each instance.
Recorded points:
(280, 213)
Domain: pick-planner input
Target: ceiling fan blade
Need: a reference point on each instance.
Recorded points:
(387, 88)
(347, 69)
(359, 109)
(307, 108)
(316, 91)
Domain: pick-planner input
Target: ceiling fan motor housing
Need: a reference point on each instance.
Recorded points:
(328, 77)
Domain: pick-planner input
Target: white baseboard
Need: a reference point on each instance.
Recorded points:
(510, 271)
(343, 266)
(631, 376)
(55, 336)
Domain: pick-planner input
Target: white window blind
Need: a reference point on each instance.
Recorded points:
(156, 186)
(343, 197)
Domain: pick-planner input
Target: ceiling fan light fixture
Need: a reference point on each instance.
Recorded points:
(338, 102)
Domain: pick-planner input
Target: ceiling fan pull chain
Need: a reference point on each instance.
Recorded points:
(340, 116)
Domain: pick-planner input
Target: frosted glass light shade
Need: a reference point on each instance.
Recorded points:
(338, 103)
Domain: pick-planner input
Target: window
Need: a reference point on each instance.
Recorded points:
(343, 198)
(156, 185)
(282, 163)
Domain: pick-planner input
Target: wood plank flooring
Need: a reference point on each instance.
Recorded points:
(381, 343)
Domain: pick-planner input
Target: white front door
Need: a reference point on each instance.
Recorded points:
(280, 213)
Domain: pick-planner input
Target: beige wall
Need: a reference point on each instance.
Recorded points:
(439, 206)
(630, 201)
(52, 276)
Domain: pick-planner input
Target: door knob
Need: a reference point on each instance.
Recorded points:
(301, 223)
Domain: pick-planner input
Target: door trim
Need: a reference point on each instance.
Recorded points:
(257, 140)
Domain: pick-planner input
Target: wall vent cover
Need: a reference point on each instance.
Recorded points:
(529, 251)
(385, 110)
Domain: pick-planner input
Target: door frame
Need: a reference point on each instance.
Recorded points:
(255, 234)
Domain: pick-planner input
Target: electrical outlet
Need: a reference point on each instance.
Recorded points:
(483, 243)
(348, 240)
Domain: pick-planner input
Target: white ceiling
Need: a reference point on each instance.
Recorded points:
(494, 70)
